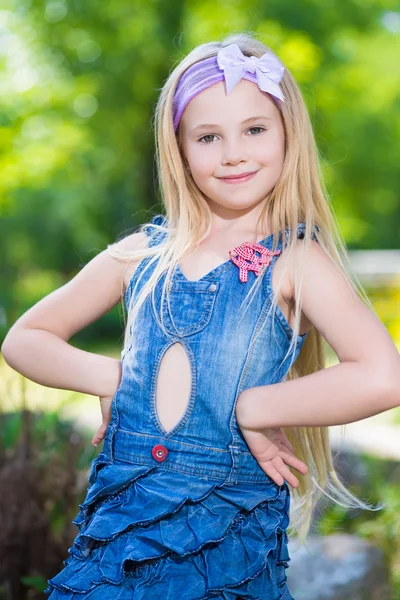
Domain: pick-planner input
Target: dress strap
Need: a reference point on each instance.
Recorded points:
(155, 236)
(301, 229)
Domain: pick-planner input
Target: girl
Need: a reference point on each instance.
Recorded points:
(229, 296)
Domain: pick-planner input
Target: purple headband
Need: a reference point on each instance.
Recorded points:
(232, 65)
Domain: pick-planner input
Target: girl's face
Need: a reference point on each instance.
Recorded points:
(224, 135)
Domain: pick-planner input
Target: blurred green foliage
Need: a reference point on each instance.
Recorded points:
(78, 86)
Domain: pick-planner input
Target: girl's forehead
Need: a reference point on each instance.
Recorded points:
(213, 105)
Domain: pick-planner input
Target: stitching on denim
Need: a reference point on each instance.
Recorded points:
(195, 470)
(207, 311)
(132, 281)
(176, 467)
(193, 286)
(246, 366)
(208, 276)
(208, 448)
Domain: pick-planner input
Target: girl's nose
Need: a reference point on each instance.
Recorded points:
(233, 153)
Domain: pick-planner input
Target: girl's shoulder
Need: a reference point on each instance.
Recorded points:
(139, 240)
(131, 243)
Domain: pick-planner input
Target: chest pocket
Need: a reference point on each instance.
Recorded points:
(190, 306)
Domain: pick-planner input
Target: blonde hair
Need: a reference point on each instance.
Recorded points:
(299, 195)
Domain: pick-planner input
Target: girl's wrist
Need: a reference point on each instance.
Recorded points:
(111, 378)
(252, 404)
(243, 408)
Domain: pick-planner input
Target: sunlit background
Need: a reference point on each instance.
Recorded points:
(78, 86)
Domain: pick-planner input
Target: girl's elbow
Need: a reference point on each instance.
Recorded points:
(389, 385)
(6, 349)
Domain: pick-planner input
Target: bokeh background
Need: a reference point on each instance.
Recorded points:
(78, 87)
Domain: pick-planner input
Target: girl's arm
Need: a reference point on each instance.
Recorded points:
(37, 344)
(365, 383)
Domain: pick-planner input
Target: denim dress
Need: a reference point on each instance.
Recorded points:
(187, 514)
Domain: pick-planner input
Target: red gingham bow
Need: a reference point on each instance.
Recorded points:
(245, 252)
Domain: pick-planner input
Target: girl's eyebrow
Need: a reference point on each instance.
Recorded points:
(211, 125)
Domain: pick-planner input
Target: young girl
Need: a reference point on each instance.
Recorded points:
(229, 297)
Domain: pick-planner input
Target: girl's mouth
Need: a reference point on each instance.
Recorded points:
(241, 179)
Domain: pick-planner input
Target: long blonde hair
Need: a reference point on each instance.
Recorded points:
(299, 196)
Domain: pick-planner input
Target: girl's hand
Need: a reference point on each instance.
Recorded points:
(271, 448)
(105, 404)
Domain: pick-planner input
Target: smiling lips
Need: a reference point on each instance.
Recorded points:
(238, 178)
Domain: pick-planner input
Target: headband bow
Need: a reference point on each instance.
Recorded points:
(268, 69)
(231, 65)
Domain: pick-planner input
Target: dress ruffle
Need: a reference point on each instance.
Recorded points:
(146, 532)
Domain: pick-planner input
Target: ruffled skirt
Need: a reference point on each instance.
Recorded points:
(146, 532)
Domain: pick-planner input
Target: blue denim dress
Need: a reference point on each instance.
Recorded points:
(187, 514)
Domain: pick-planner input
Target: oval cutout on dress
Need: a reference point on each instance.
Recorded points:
(174, 381)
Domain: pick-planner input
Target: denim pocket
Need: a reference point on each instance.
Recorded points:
(190, 306)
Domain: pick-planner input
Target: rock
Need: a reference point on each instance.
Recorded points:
(337, 567)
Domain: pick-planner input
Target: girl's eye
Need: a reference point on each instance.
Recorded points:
(211, 135)
(262, 128)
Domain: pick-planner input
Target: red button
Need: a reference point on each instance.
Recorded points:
(159, 452)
